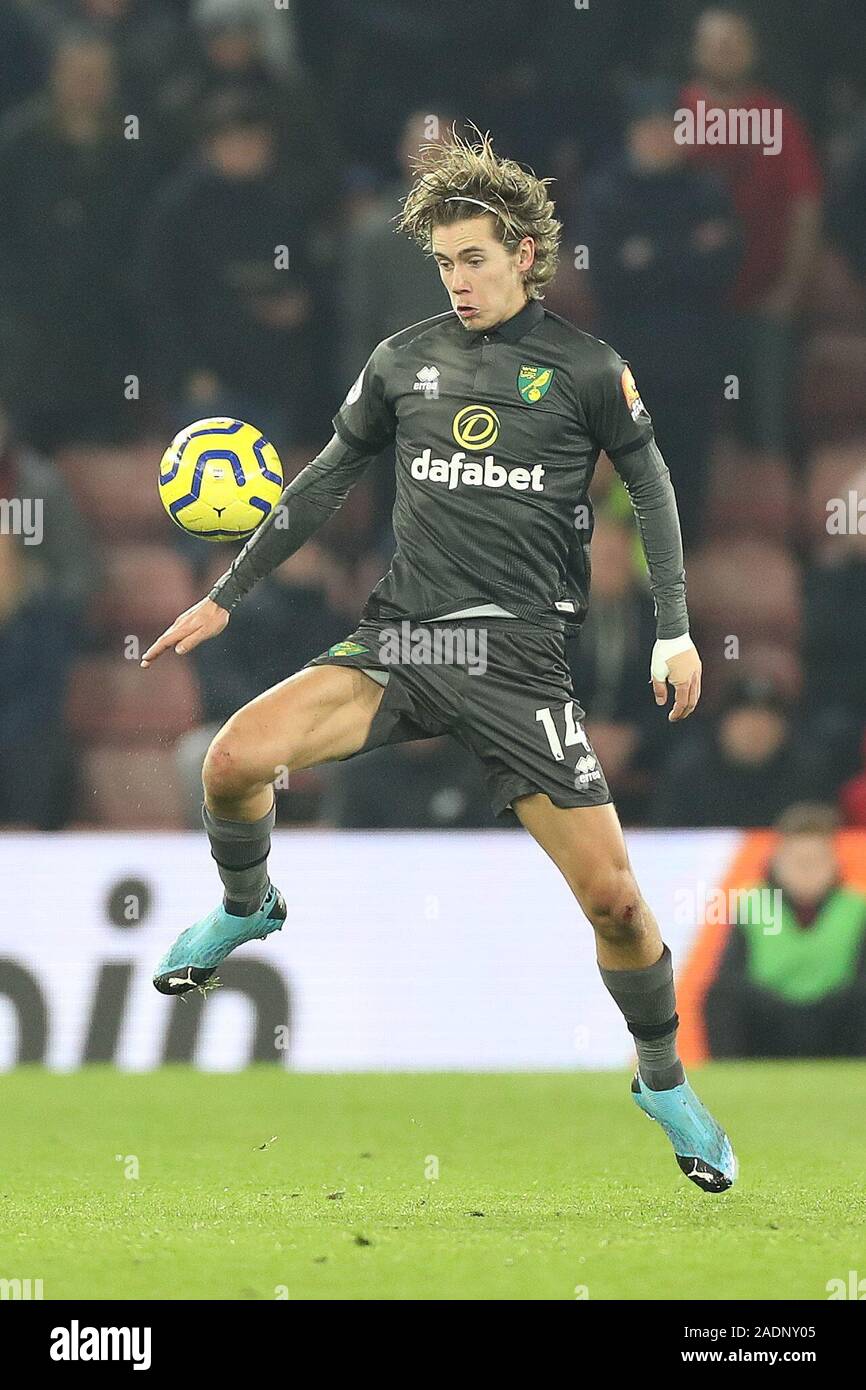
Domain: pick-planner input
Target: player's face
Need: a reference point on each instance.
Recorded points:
(483, 278)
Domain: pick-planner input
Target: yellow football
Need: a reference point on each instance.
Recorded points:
(219, 479)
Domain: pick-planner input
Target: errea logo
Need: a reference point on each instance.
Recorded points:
(427, 380)
(586, 770)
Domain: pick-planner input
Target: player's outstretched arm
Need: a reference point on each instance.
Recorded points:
(310, 499)
(318, 491)
(204, 620)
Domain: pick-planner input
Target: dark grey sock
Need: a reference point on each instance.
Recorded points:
(241, 850)
(647, 1001)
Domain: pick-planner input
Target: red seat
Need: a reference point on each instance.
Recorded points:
(129, 788)
(744, 588)
(832, 471)
(111, 698)
(117, 489)
(837, 298)
(146, 587)
(780, 664)
(758, 658)
(833, 396)
(749, 495)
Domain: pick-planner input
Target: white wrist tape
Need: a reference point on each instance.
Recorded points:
(663, 650)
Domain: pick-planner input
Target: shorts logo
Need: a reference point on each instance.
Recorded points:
(475, 427)
(635, 405)
(586, 770)
(535, 382)
(347, 649)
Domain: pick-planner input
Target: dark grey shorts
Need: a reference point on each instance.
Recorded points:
(500, 686)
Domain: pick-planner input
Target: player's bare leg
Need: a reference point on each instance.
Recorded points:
(321, 714)
(587, 846)
(316, 716)
(586, 843)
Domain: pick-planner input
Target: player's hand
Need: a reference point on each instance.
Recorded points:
(205, 619)
(684, 674)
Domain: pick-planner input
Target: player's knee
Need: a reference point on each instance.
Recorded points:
(612, 901)
(227, 773)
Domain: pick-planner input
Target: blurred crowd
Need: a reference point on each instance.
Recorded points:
(788, 978)
(196, 218)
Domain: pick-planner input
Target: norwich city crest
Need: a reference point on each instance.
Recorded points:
(347, 649)
(535, 382)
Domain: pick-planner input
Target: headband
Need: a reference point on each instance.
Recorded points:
(461, 198)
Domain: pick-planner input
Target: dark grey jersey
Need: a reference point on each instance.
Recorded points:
(496, 437)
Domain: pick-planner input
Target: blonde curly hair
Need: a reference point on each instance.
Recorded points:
(519, 201)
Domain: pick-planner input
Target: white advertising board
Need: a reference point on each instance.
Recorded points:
(410, 951)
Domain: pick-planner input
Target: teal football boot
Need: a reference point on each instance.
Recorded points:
(200, 949)
(702, 1148)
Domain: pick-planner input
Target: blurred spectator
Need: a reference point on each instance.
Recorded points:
(663, 249)
(273, 29)
(234, 50)
(385, 51)
(569, 293)
(834, 638)
(62, 562)
(852, 797)
(71, 189)
(777, 197)
(846, 214)
(387, 282)
(149, 41)
(426, 785)
(36, 653)
(792, 977)
(609, 663)
(226, 284)
(291, 617)
(249, 50)
(24, 51)
(744, 768)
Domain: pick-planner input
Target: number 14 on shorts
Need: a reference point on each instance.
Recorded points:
(574, 732)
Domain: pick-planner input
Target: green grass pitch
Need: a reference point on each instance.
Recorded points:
(548, 1187)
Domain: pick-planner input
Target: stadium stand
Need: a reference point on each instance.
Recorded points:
(765, 522)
